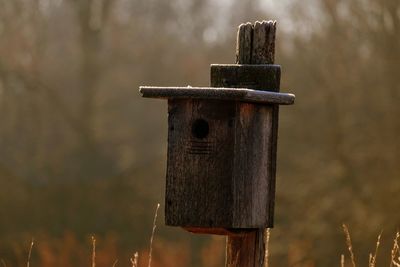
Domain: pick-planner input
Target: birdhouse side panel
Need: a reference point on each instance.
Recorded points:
(253, 175)
(255, 144)
(200, 163)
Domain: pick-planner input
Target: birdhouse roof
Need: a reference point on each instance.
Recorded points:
(218, 93)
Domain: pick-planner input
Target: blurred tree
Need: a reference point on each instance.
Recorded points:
(345, 132)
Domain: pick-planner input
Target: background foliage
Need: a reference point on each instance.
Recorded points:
(81, 153)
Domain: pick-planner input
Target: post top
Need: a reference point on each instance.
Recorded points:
(218, 93)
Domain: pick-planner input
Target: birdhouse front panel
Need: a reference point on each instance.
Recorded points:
(218, 172)
(199, 167)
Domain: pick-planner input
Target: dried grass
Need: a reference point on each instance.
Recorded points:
(267, 234)
(93, 251)
(395, 256)
(395, 251)
(349, 244)
(152, 234)
(29, 254)
(135, 260)
(372, 258)
(372, 262)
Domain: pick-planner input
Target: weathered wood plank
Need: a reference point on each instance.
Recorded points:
(251, 178)
(218, 93)
(199, 167)
(263, 44)
(258, 77)
(243, 43)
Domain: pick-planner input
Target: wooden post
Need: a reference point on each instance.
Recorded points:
(255, 45)
(222, 143)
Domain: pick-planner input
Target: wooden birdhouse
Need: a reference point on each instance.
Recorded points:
(220, 166)
(222, 149)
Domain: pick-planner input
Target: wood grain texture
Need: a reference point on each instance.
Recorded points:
(199, 167)
(251, 178)
(263, 44)
(246, 250)
(243, 43)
